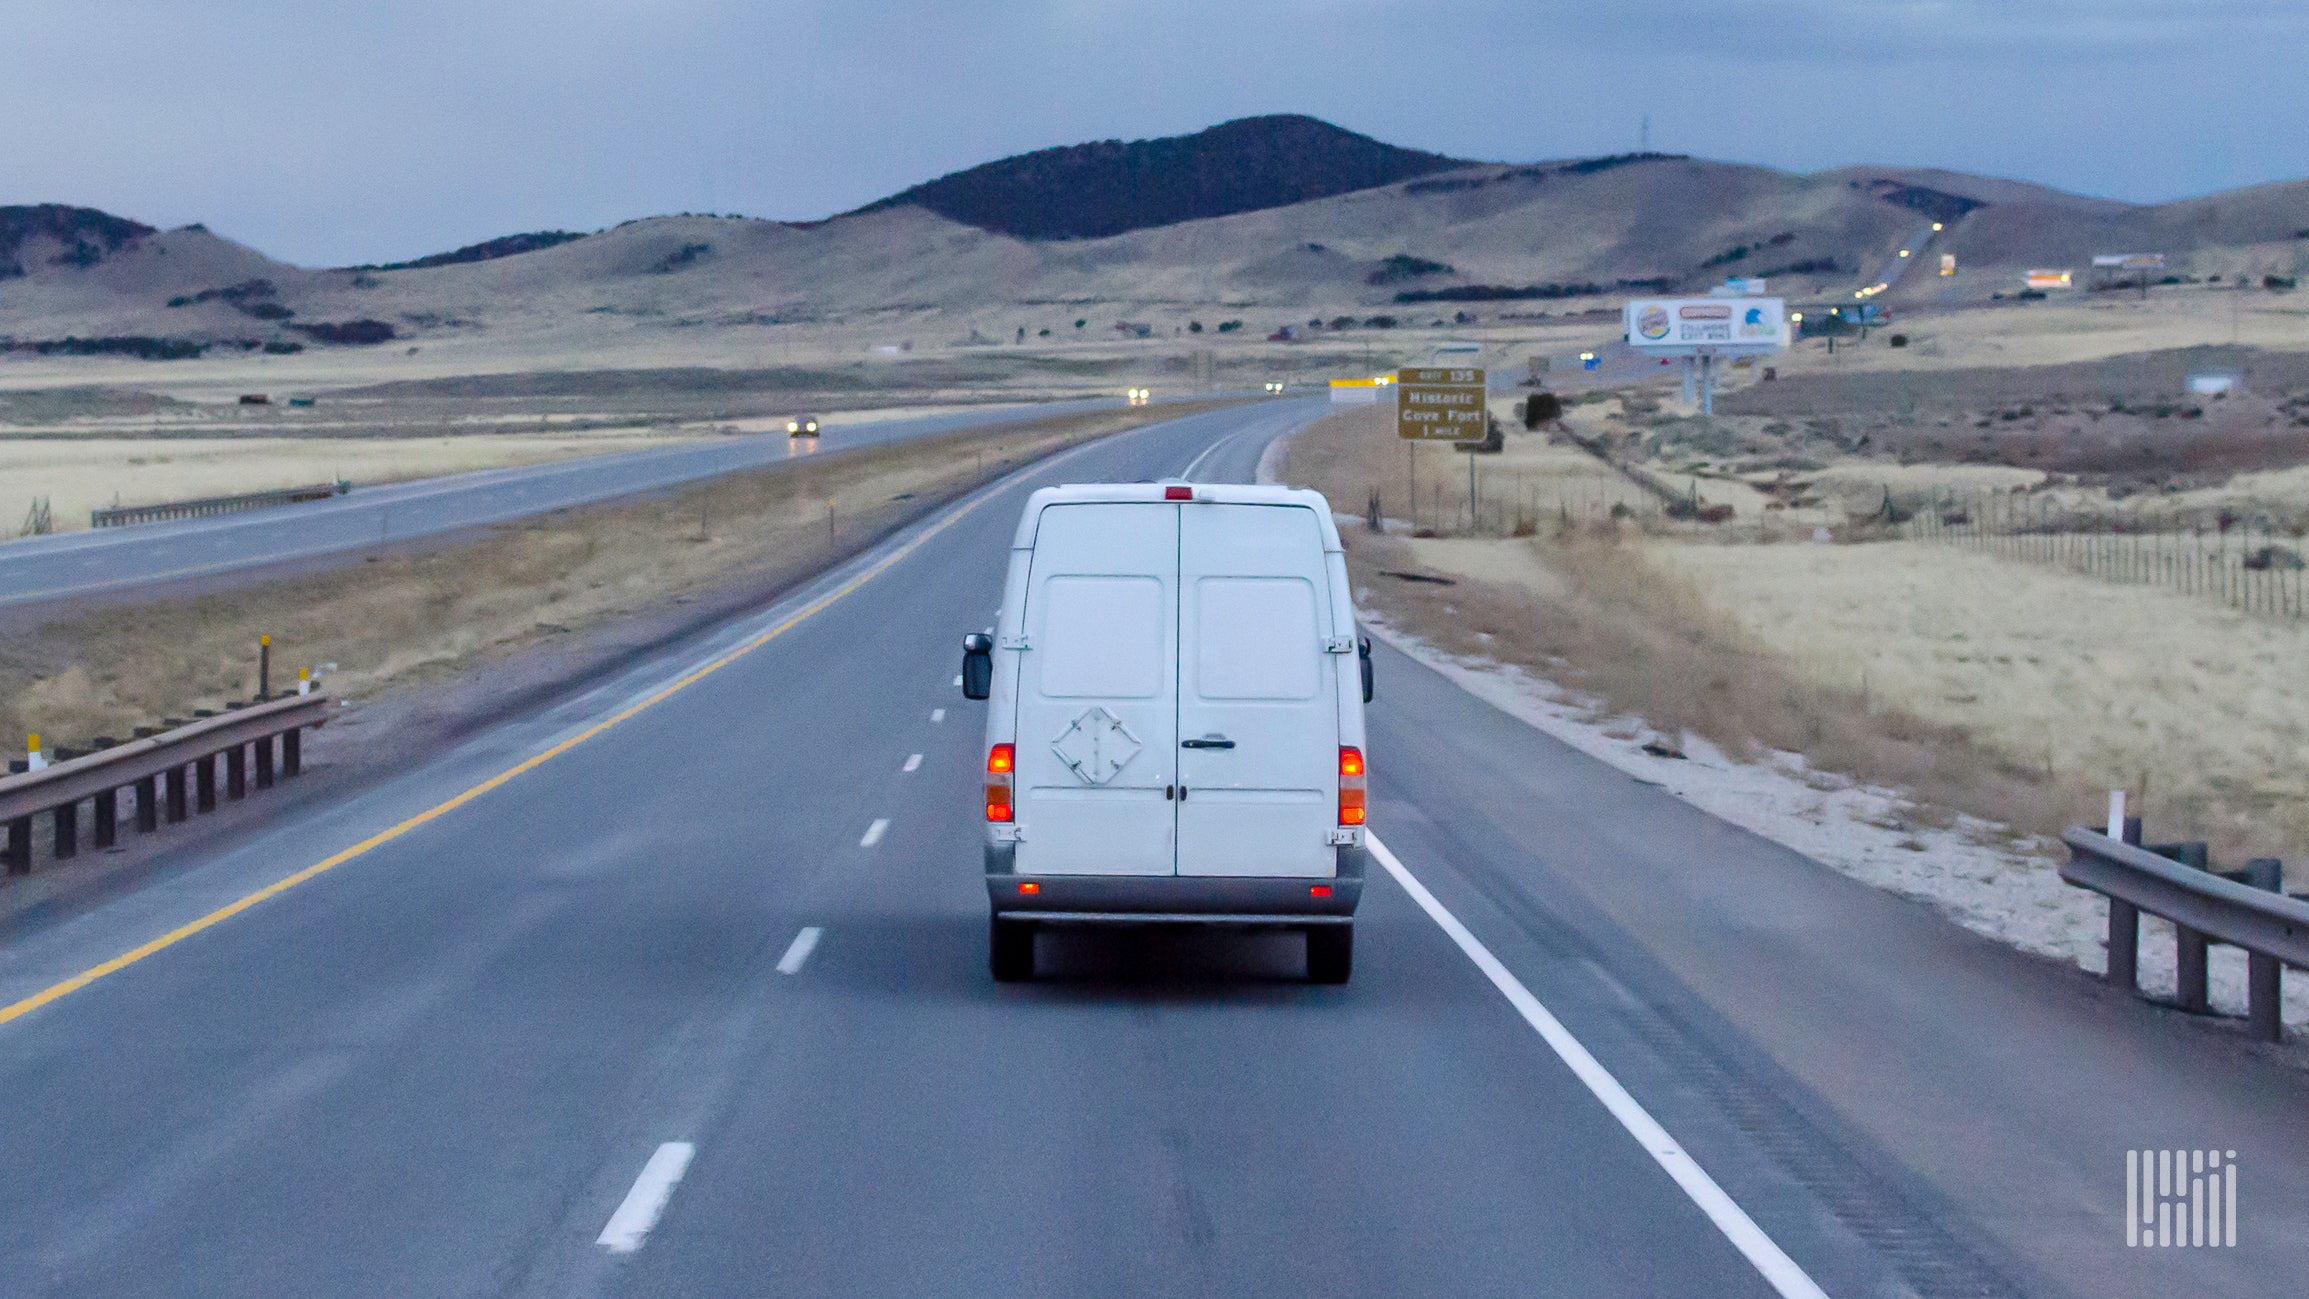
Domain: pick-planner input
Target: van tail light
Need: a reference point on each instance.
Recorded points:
(1350, 785)
(1001, 760)
(1178, 493)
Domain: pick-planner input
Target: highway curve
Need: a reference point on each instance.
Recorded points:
(694, 1001)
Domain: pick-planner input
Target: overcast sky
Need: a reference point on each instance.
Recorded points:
(329, 134)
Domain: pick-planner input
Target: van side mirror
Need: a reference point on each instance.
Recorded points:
(1363, 659)
(978, 666)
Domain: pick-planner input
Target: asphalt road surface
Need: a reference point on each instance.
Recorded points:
(79, 563)
(695, 1002)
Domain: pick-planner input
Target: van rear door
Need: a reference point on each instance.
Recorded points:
(1258, 694)
(1098, 692)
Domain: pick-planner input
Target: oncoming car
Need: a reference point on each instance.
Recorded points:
(1139, 396)
(802, 426)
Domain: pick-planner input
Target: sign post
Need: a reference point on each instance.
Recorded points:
(1441, 404)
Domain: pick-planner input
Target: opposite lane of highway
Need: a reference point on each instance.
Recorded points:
(79, 563)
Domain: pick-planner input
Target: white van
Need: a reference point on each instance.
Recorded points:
(1175, 721)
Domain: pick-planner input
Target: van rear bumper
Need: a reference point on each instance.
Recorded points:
(1209, 899)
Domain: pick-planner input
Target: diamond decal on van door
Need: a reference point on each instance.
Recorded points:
(1096, 746)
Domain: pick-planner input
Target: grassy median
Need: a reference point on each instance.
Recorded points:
(416, 613)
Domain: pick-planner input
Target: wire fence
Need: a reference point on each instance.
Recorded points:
(2245, 565)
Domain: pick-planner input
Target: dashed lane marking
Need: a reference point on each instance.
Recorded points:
(799, 950)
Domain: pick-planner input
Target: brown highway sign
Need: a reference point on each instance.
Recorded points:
(1440, 404)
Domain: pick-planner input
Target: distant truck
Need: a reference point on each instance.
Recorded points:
(1174, 731)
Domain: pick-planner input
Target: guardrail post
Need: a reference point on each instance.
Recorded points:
(2265, 975)
(67, 831)
(20, 846)
(2190, 981)
(292, 751)
(2125, 926)
(236, 772)
(204, 783)
(175, 780)
(147, 805)
(107, 828)
(264, 748)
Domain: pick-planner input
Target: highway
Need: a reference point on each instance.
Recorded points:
(679, 987)
(79, 563)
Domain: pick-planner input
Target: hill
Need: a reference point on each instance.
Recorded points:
(1454, 242)
(84, 235)
(1090, 191)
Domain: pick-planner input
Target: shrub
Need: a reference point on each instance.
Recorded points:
(1898, 340)
(1540, 407)
(1229, 326)
(1194, 326)
(349, 333)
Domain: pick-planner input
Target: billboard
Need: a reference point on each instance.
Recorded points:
(1707, 326)
(1948, 263)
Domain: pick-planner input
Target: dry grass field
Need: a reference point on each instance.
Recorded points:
(2011, 691)
(77, 475)
(402, 616)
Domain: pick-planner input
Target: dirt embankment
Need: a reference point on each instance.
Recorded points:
(427, 613)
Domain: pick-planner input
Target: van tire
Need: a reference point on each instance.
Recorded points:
(1011, 945)
(1330, 953)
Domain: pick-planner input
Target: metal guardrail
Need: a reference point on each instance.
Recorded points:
(2205, 908)
(122, 515)
(172, 773)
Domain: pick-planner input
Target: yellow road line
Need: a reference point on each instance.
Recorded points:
(177, 935)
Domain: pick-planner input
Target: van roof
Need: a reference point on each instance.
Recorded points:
(1219, 493)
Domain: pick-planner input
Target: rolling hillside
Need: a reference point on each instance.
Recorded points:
(1231, 240)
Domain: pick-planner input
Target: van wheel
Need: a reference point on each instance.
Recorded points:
(1330, 953)
(1012, 944)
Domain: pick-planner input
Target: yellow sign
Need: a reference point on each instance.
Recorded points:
(1440, 404)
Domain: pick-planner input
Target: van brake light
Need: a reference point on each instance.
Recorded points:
(1178, 493)
(1350, 785)
(1001, 760)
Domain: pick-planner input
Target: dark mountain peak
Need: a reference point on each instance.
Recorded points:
(1086, 191)
(86, 233)
(486, 251)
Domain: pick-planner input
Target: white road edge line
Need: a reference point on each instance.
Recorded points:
(1779, 1270)
(646, 1200)
(913, 761)
(958, 681)
(1188, 473)
(874, 832)
(799, 950)
(937, 714)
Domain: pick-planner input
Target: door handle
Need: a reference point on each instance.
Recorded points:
(1208, 742)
